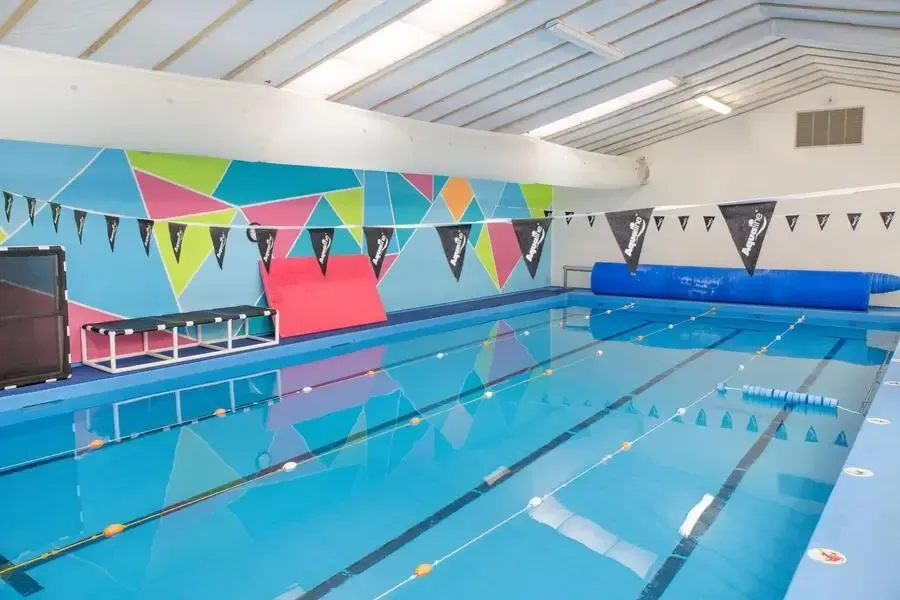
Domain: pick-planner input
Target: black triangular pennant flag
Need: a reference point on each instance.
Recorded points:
(659, 221)
(176, 236)
(265, 243)
(322, 238)
(532, 235)
(80, 217)
(112, 228)
(219, 237)
(569, 214)
(145, 227)
(887, 217)
(792, 220)
(55, 211)
(454, 239)
(377, 241)
(684, 221)
(7, 205)
(822, 219)
(548, 214)
(854, 219)
(591, 220)
(629, 227)
(32, 203)
(748, 224)
(708, 221)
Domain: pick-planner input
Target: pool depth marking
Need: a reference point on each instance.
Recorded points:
(399, 421)
(388, 548)
(663, 577)
(85, 450)
(21, 582)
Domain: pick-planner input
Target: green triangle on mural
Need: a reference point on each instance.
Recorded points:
(195, 248)
(538, 197)
(348, 204)
(199, 173)
(485, 254)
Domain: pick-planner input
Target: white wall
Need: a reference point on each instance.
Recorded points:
(753, 156)
(56, 99)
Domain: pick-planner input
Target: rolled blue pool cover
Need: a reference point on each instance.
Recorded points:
(842, 290)
(752, 392)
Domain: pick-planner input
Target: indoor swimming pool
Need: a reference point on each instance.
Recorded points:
(577, 452)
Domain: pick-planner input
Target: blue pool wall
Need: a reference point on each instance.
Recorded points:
(840, 290)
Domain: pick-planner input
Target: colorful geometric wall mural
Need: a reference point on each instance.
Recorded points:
(126, 282)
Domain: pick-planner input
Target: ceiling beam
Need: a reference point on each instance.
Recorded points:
(184, 49)
(866, 38)
(116, 28)
(16, 16)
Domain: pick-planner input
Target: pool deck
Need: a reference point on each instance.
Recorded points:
(861, 520)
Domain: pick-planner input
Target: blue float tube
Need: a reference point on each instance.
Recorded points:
(783, 396)
(842, 290)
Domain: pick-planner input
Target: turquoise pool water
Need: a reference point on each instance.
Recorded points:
(210, 512)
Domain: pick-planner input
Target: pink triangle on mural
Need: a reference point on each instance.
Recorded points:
(295, 211)
(386, 265)
(423, 183)
(506, 250)
(166, 200)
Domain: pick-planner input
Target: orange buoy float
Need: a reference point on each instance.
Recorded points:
(423, 570)
(548, 372)
(757, 353)
(626, 445)
(96, 444)
(370, 373)
(486, 343)
(219, 412)
(114, 529)
(415, 421)
(764, 349)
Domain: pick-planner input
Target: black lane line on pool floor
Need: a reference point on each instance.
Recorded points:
(11, 569)
(381, 553)
(263, 401)
(19, 581)
(661, 580)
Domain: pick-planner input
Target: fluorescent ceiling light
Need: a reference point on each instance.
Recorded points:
(392, 43)
(713, 104)
(608, 107)
(584, 40)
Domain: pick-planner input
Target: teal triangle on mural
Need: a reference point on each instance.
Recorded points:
(654, 412)
(512, 204)
(811, 435)
(473, 215)
(106, 186)
(323, 215)
(377, 211)
(438, 212)
(407, 205)
(701, 418)
(253, 182)
(841, 439)
(781, 432)
(439, 181)
(726, 421)
(487, 194)
(752, 425)
(361, 175)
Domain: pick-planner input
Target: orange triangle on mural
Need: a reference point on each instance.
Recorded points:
(457, 194)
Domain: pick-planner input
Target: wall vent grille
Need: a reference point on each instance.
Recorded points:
(838, 127)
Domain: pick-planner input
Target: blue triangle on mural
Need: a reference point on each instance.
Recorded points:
(377, 209)
(841, 439)
(726, 421)
(512, 203)
(361, 175)
(654, 412)
(439, 181)
(473, 215)
(752, 425)
(106, 186)
(323, 215)
(811, 435)
(487, 194)
(781, 432)
(701, 418)
(41, 170)
(253, 182)
(438, 212)
(408, 205)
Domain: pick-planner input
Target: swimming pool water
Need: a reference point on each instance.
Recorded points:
(209, 513)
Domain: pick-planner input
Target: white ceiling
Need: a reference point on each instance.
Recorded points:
(502, 72)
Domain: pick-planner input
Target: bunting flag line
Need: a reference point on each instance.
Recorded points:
(176, 237)
(591, 219)
(854, 219)
(55, 212)
(265, 243)
(629, 228)
(684, 222)
(219, 237)
(748, 224)
(145, 228)
(322, 238)
(80, 217)
(454, 239)
(569, 214)
(822, 220)
(792, 220)
(659, 221)
(708, 221)
(112, 228)
(7, 205)
(531, 235)
(251, 232)
(887, 217)
(32, 203)
(377, 241)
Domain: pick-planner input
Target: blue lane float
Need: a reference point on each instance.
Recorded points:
(776, 396)
(845, 290)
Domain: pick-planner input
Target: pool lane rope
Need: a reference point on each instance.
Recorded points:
(426, 568)
(99, 443)
(114, 529)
